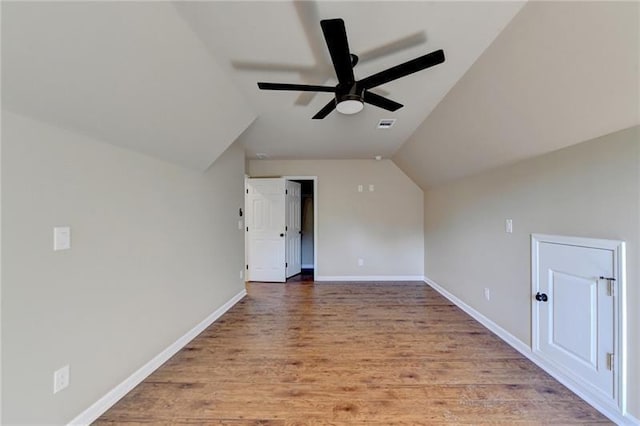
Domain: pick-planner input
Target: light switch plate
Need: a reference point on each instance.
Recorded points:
(61, 238)
(360, 188)
(508, 226)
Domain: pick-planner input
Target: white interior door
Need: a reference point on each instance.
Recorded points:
(293, 228)
(574, 308)
(266, 229)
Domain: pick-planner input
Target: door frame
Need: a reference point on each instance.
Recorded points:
(315, 222)
(315, 217)
(620, 314)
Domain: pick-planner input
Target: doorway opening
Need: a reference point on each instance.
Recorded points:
(282, 228)
(307, 219)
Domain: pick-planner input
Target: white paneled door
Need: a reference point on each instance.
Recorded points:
(574, 313)
(274, 227)
(293, 229)
(266, 229)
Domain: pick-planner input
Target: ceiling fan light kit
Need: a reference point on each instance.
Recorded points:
(351, 95)
(350, 106)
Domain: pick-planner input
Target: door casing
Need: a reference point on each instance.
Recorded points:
(315, 221)
(620, 316)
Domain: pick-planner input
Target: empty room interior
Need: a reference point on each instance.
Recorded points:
(320, 212)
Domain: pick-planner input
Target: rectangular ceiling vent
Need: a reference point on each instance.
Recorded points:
(386, 123)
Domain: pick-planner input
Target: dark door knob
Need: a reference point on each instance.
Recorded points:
(541, 297)
(282, 235)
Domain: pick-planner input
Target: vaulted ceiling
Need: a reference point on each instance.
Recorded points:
(283, 42)
(178, 80)
(561, 73)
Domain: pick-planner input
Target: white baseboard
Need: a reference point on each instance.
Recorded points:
(98, 408)
(613, 413)
(634, 421)
(355, 278)
(307, 266)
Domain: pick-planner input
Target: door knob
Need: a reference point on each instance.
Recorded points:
(282, 235)
(541, 297)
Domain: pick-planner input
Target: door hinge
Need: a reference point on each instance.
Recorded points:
(286, 191)
(286, 265)
(247, 191)
(247, 229)
(609, 361)
(286, 228)
(610, 285)
(247, 267)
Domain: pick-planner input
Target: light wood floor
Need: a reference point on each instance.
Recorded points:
(348, 354)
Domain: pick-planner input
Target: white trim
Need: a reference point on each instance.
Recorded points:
(98, 408)
(578, 241)
(619, 273)
(634, 420)
(245, 268)
(355, 278)
(612, 413)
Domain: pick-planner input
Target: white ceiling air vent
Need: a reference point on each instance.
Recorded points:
(386, 123)
(261, 156)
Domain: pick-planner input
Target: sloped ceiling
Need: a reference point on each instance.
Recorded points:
(282, 42)
(178, 80)
(561, 73)
(129, 73)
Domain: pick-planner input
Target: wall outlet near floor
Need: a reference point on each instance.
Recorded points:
(508, 226)
(60, 379)
(487, 294)
(360, 262)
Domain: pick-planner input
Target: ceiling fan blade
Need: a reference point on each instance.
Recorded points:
(336, 37)
(265, 66)
(298, 87)
(398, 45)
(325, 110)
(381, 102)
(394, 73)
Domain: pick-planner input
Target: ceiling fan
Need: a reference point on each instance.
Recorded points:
(351, 95)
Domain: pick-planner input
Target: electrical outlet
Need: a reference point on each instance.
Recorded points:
(372, 188)
(60, 379)
(360, 188)
(487, 294)
(360, 262)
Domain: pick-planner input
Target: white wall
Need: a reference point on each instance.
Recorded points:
(383, 227)
(155, 249)
(591, 190)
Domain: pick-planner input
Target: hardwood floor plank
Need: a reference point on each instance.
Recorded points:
(348, 354)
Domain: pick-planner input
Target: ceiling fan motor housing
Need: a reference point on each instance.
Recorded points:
(350, 101)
